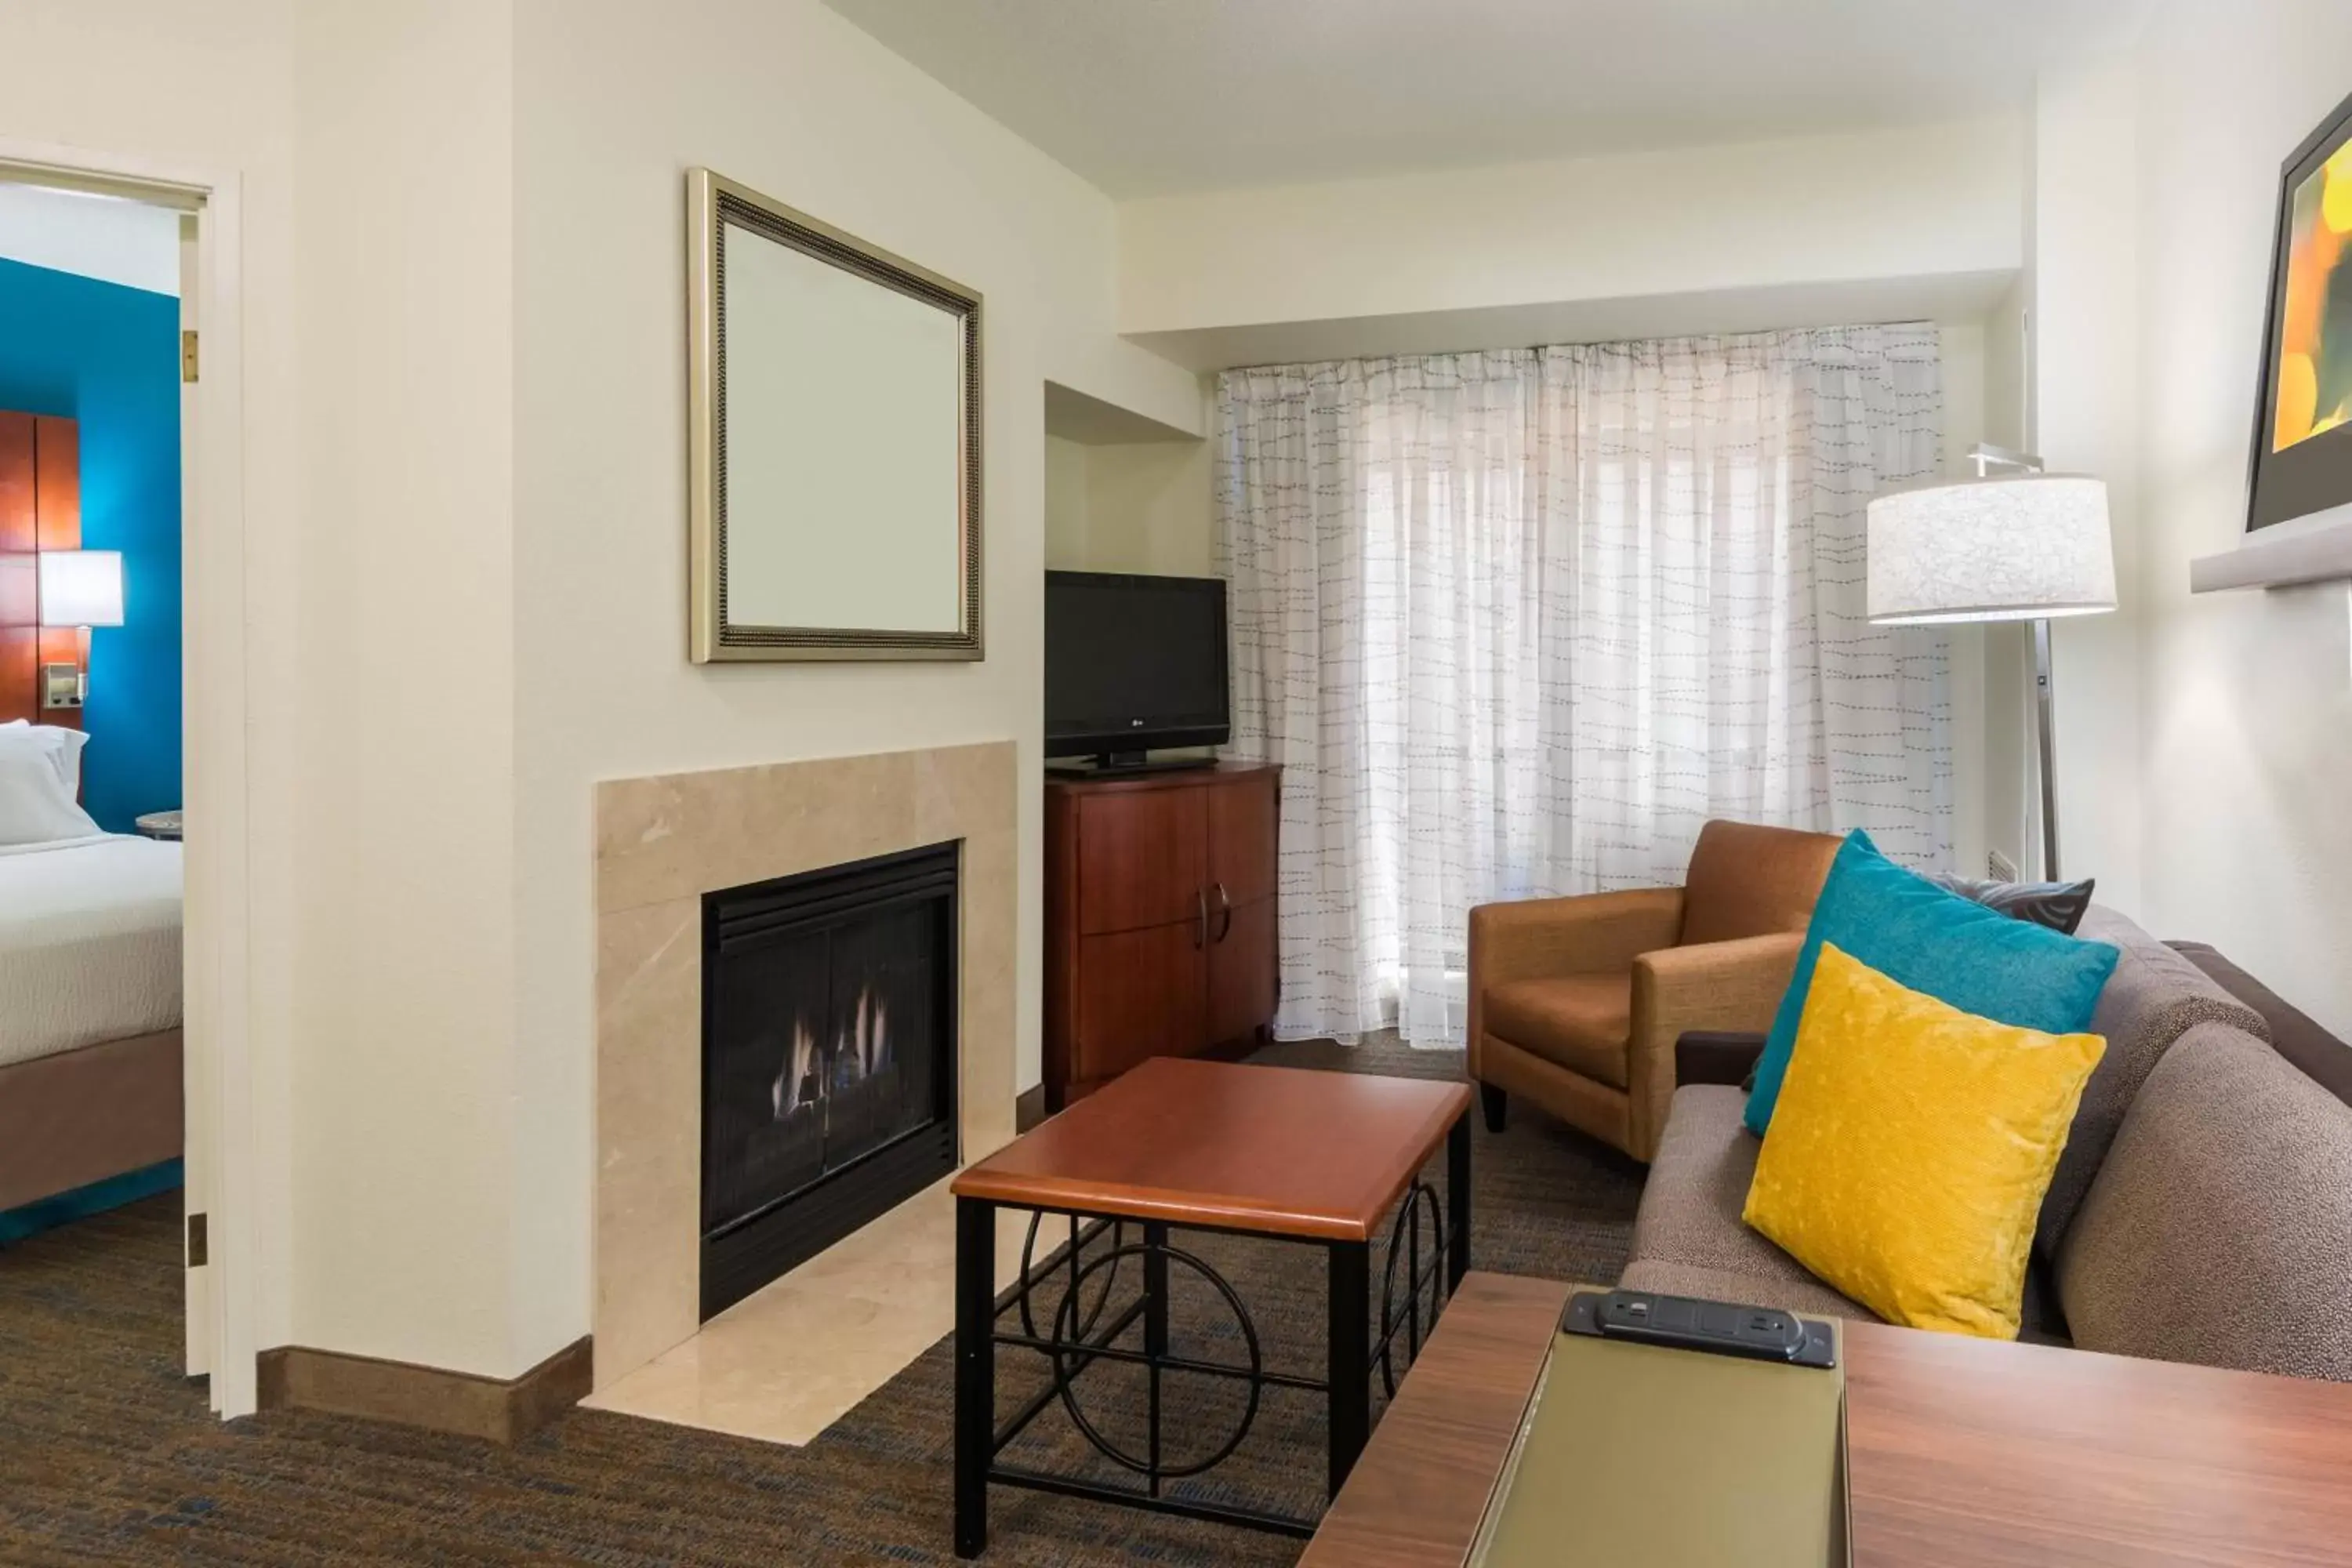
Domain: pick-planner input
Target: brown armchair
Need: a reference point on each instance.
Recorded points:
(1576, 1004)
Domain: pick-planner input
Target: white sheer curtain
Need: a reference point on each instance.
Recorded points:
(1517, 623)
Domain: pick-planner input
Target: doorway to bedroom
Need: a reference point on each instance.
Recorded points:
(97, 285)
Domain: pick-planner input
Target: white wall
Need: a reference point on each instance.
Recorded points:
(1066, 505)
(2247, 737)
(407, 1094)
(614, 101)
(111, 238)
(2086, 382)
(1140, 506)
(1916, 202)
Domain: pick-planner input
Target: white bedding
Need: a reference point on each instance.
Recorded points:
(90, 943)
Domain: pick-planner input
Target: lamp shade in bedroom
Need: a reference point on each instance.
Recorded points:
(81, 588)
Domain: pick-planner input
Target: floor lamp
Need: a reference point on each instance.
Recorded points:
(2018, 544)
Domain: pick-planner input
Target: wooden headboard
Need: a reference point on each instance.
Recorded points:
(40, 509)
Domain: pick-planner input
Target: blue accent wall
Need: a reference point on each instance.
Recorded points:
(109, 357)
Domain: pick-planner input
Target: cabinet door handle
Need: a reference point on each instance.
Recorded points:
(1200, 917)
(1226, 903)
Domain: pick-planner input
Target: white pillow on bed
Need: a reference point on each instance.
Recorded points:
(64, 747)
(36, 802)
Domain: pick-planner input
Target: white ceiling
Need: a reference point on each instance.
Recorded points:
(1147, 97)
(106, 238)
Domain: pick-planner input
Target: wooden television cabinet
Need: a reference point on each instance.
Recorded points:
(1159, 920)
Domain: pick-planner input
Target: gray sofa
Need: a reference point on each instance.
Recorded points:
(2201, 1212)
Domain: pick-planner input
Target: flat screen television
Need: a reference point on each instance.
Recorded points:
(2302, 418)
(1132, 663)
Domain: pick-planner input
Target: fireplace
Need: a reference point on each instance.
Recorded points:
(829, 1019)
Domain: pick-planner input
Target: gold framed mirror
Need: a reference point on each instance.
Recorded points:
(833, 454)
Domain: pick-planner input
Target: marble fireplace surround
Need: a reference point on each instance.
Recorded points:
(662, 843)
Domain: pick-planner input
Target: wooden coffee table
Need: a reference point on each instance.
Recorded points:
(1960, 1452)
(1319, 1158)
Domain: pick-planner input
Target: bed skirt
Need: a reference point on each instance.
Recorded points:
(84, 1115)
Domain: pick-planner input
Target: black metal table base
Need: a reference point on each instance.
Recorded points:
(1077, 1335)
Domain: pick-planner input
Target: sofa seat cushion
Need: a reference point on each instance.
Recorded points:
(2220, 1228)
(1688, 1239)
(1578, 1021)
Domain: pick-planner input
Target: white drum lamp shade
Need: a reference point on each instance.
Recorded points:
(81, 588)
(2010, 548)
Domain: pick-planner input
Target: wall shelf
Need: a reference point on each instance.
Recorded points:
(2315, 549)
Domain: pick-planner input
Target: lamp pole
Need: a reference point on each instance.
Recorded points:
(1986, 457)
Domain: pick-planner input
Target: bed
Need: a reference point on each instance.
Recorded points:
(89, 1012)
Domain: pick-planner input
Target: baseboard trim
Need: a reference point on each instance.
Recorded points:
(1029, 1107)
(503, 1410)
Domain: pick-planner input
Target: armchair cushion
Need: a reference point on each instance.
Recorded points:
(1578, 1021)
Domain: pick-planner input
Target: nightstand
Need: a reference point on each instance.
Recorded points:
(159, 824)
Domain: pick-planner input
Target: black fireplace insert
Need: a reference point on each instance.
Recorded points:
(829, 1010)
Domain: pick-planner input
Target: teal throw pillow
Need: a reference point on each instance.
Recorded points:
(1916, 933)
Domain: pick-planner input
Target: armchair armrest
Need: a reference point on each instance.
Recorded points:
(1535, 938)
(1715, 1055)
(1711, 985)
(1589, 935)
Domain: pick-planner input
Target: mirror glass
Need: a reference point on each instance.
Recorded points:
(842, 404)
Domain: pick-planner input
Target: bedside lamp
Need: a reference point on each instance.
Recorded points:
(78, 589)
(2023, 545)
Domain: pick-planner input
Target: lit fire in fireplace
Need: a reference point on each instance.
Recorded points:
(859, 1052)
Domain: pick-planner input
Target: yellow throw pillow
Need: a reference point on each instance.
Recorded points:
(1910, 1148)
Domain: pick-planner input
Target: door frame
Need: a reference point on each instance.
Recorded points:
(216, 677)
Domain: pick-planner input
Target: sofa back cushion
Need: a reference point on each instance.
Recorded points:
(2220, 1228)
(2155, 996)
(1750, 880)
(2295, 1034)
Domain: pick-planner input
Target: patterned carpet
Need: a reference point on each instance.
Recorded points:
(107, 1455)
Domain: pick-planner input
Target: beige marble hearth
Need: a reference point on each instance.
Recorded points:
(661, 844)
(783, 1365)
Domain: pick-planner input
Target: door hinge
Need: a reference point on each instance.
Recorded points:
(188, 357)
(197, 1241)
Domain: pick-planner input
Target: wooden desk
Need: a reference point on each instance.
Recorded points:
(1962, 1453)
